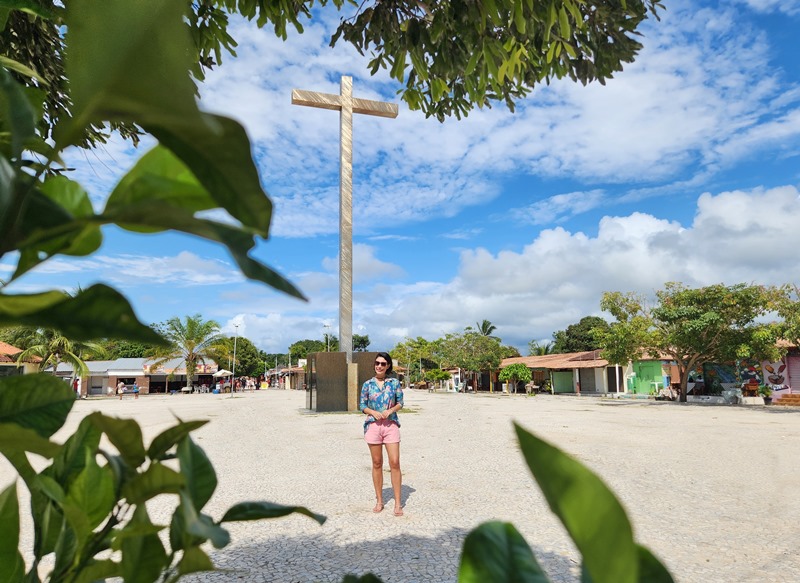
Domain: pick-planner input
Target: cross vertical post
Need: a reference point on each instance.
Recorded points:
(347, 105)
(346, 218)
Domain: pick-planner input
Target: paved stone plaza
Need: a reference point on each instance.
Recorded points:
(713, 491)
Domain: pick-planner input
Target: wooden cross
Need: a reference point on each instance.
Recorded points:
(347, 106)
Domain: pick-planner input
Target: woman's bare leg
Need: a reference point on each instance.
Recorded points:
(376, 453)
(393, 453)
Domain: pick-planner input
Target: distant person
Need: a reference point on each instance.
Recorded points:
(135, 390)
(120, 389)
(381, 399)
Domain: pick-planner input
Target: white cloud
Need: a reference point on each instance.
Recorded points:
(739, 236)
(185, 269)
(703, 94)
(366, 266)
(558, 208)
(790, 7)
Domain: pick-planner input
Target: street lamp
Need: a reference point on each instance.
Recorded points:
(233, 378)
(327, 338)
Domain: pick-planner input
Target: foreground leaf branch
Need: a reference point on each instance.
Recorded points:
(88, 502)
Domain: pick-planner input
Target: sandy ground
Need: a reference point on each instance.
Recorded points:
(713, 491)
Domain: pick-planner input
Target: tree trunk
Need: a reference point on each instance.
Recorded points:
(684, 373)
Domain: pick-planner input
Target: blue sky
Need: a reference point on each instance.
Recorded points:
(682, 168)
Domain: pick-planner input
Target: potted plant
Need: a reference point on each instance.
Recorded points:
(766, 392)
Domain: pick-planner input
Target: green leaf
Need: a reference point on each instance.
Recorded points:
(131, 530)
(143, 557)
(112, 48)
(50, 488)
(96, 312)
(39, 402)
(12, 565)
(165, 216)
(201, 480)
(6, 186)
(563, 23)
(590, 512)
(18, 111)
(519, 17)
(125, 434)
(157, 479)
(258, 510)
(48, 518)
(496, 551)
(14, 438)
(168, 438)
(13, 65)
(99, 571)
(219, 154)
(92, 492)
(205, 527)
(651, 570)
(71, 196)
(194, 560)
(193, 528)
(31, 7)
(40, 221)
(65, 550)
(71, 459)
(161, 177)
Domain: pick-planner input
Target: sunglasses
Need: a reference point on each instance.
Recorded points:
(381, 363)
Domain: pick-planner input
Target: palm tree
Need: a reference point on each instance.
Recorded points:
(193, 340)
(485, 328)
(536, 348)
(53, 348)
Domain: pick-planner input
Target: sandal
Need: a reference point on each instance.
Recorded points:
(378, 507)
(398, 511)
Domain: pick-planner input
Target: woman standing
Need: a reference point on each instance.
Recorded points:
(381, 399)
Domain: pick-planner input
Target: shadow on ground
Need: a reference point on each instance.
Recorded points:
(405, 494)
(397, 559)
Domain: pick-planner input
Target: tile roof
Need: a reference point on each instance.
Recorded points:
(589, 359)
(8, 353)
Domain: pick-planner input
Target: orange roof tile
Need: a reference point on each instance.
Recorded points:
(589, 359)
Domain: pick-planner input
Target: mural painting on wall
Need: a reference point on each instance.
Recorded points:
(775, 375)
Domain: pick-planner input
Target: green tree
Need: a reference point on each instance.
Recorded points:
(536, 348)
(126, 349)
(248, 357)
(716, 323)
(360, 343)
(485, 327)
(276, 359)
(579, 337)
(507, 351)
(53, 348)
(193, 340)
(787, 305)
(302, 348)
(473, 352)
(417, 354)
(331, 342)
(514, 373)
(449, 56)
(437, 375)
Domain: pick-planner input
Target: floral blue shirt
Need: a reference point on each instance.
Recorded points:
(380, 399)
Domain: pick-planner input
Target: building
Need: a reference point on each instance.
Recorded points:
(575, 372)
(105, 375)
(8, 361)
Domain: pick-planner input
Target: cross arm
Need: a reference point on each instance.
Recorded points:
(378, 108)
(315, 99)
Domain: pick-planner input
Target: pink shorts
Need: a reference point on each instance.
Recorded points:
(382, 431)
